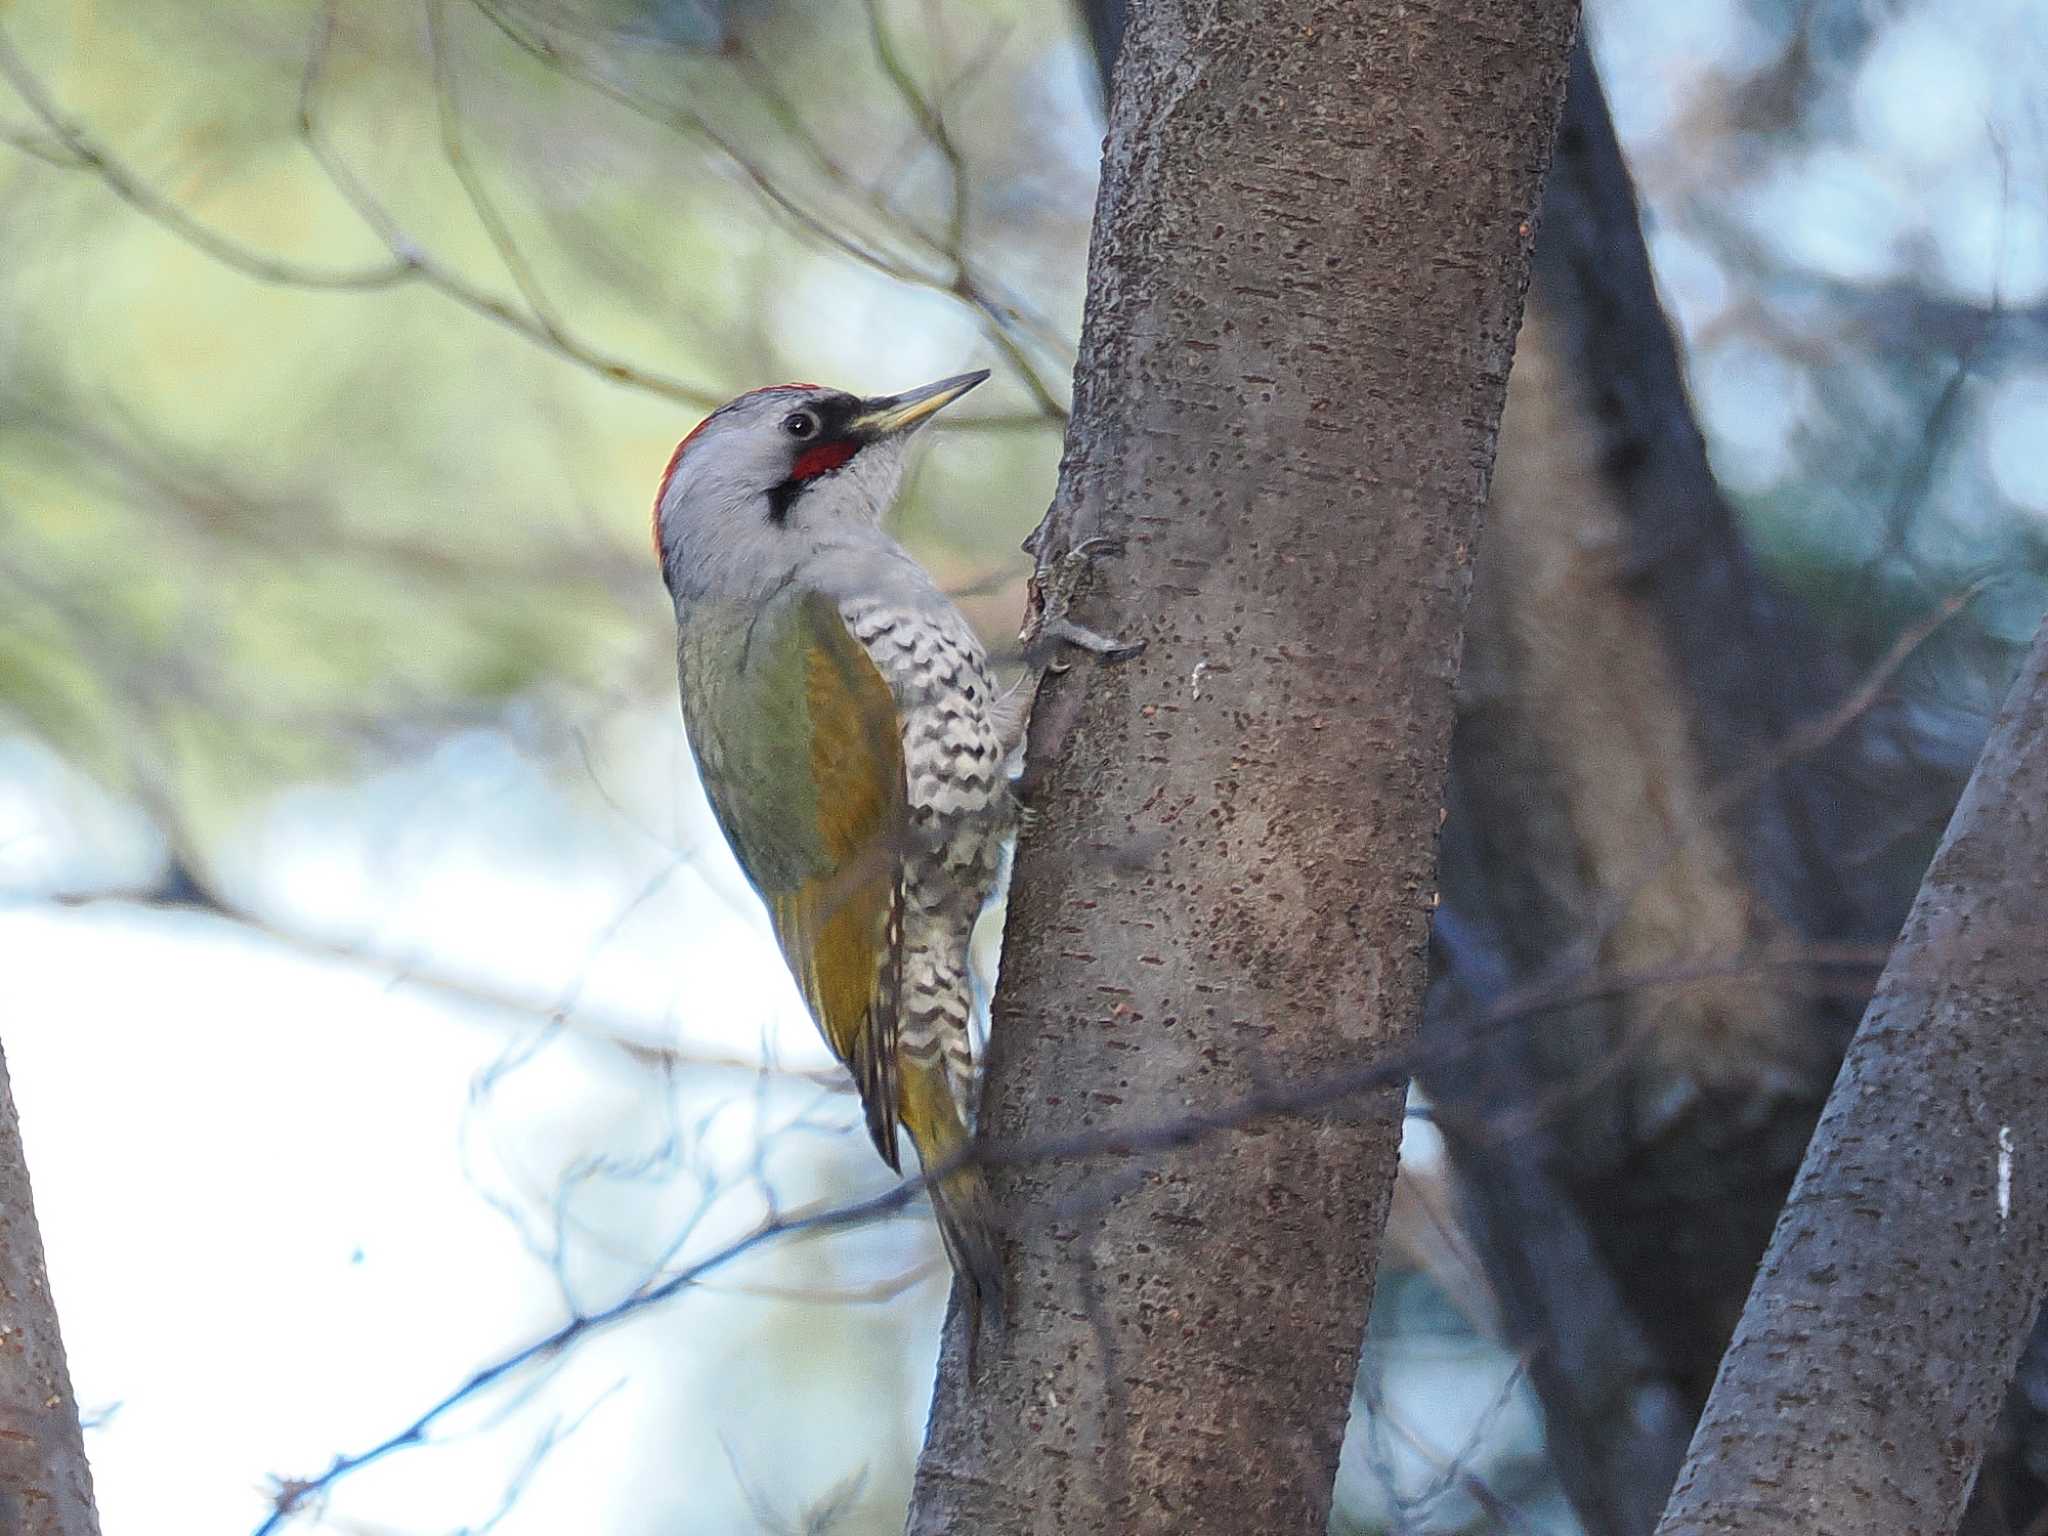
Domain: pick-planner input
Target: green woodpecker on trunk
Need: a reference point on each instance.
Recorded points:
(844, 724)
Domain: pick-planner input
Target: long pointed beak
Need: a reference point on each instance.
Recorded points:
(888, 414)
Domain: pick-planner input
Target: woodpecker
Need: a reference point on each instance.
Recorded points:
(845, 726)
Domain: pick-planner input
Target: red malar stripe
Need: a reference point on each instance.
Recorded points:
(820, 457)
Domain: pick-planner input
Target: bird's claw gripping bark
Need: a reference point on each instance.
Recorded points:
(1048, 625)
(1091, 640)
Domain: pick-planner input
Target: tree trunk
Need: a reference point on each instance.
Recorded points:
(1909, 1263)
(45, 1484)
(1310, 250)
(1623, 654)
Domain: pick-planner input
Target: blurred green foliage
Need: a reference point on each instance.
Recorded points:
(256, 528)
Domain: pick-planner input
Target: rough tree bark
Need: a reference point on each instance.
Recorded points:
(1308, 264)
(45, 1484)
(1909, 1263)
(1624, 660)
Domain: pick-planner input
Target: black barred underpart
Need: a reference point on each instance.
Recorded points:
(961, 810)
(874, 1066)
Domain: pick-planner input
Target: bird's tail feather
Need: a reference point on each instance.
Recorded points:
(966, 1210)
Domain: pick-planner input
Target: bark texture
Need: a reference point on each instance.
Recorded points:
(45, 1484)
(1308, 266)
(1866, 1374)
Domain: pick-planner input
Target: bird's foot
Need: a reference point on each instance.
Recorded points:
(1048, 623)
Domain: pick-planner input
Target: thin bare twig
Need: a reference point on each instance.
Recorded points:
(87, 153)
(998, 311)
(293, 1495)
(1378, 1073)
(448, 111)
(67, 145)
(1809, 737)
(44, 146)
(445, 279)
(626, 1034)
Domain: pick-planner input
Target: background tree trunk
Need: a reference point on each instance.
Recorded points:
(1867, 1371)
(45, 1483)
(1622, 1159)
(1628, 669)
(1308, 264)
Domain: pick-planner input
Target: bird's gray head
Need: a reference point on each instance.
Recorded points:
(780, 472)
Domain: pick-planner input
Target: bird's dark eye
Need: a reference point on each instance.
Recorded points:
(800, 425)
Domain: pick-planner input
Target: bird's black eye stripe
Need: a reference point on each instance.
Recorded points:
(830, 416)
(820, 422)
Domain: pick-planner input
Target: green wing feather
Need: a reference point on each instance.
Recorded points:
(847, 921)
(802, 756)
